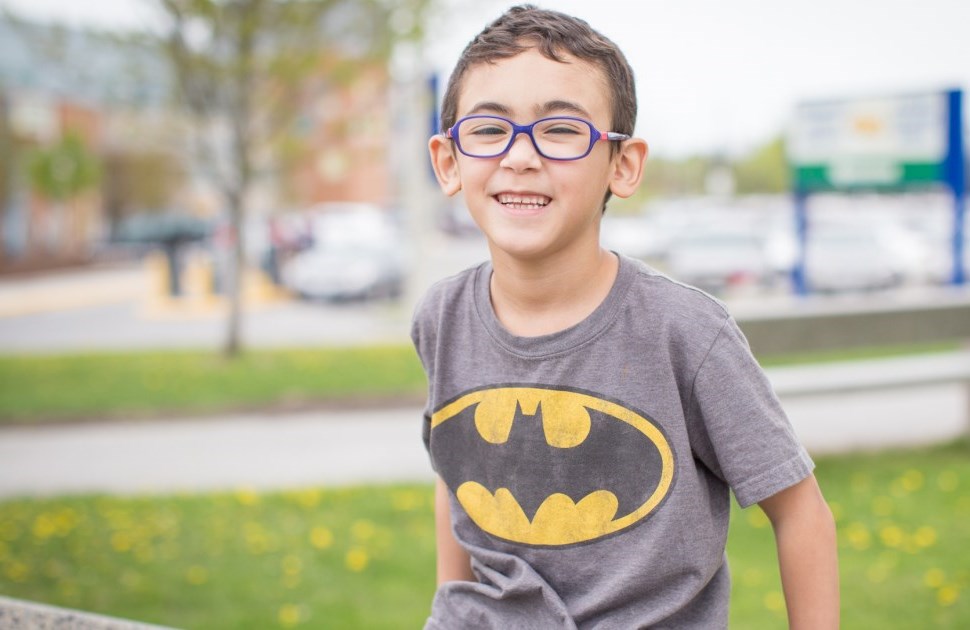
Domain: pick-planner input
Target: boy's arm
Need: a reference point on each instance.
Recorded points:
(454, 562)
(807, 556)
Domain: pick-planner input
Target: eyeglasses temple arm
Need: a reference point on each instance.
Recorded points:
(613, 136)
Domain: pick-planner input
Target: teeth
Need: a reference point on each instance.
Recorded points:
(531, 201)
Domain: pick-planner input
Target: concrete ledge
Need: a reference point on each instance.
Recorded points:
(877, 404)
(17, 614)
(830, 323)
(870, 374)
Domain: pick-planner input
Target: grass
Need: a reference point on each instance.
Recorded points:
(363, 557)
(65, 387)
(123, 385)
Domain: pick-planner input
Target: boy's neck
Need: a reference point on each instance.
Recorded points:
(544, 297)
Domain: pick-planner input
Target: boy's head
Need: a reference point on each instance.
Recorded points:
(551, 33)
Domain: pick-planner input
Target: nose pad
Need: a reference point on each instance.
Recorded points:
(519, 155)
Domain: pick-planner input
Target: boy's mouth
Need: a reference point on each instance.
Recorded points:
(520, 201)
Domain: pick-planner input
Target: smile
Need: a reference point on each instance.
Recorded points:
(517, 201)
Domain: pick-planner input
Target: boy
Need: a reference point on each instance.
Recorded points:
(587, 415)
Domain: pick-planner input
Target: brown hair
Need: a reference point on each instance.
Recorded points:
(552, 33)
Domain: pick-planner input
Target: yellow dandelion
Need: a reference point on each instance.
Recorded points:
(947, 595)
(925, 536)
(44, 526)
(363, 530)
(356, 559)
(121, 541)
(65, 521)
(757, 519)
(247, 496)
(774, 601)
(292, 565)
(309, 498)
(321, 537)
(892, 536)
(17, 571)
(858, 536)
(256, 538)
(197, 575)
(290, 615)
(912, 480)
(948, 481)
(934, 578)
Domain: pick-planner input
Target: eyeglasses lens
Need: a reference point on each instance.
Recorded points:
(556, 138)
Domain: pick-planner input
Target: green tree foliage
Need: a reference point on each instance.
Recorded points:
(63, 170)
(675, 177)
(764, 170)
(240, 66)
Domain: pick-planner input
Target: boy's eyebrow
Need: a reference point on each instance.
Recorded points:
(547, 108)
(490, 107)
(551, 107)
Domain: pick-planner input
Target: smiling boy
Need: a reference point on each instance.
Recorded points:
(588, 416)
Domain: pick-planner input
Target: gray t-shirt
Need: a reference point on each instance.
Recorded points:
(589, 469)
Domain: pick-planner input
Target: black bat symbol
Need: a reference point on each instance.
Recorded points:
(615, 456)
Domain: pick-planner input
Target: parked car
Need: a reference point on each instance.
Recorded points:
(355, 253)
(345, 272)
(719, 258)
(858, 256)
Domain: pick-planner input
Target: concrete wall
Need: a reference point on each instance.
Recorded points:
(830, 324)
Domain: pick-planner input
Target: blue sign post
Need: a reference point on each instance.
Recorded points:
(878, 144)
(956, 179)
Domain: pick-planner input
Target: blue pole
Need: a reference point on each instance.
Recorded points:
(956, 178)
(799, 281)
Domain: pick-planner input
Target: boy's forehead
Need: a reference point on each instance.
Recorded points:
(530, 83)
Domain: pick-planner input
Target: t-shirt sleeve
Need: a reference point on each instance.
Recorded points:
(737, 425)
(422, 338)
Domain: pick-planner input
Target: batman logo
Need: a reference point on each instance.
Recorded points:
(550, 467)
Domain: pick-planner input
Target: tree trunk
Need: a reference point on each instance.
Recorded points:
(234, 276)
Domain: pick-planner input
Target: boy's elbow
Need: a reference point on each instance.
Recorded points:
(802, 504)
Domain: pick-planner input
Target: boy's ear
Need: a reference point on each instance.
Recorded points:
(628, 167)
(445, 164)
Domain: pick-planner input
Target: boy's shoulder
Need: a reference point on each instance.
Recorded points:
(446, 290)
(670, 296)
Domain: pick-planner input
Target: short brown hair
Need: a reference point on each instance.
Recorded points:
(552, 33)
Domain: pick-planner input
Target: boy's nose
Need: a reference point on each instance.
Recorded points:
(522, 154)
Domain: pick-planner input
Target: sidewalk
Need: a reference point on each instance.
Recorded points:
(253, 451)
(381, 446)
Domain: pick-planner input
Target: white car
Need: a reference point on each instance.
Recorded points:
(724, 258)
(843, 257)
(355, 254)
(345, 272)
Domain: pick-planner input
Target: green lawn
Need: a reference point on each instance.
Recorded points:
(139, 384)
(363, 557)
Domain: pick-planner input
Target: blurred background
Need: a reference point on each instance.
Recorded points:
(222, 212)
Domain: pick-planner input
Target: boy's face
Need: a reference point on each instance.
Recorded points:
(529, 206)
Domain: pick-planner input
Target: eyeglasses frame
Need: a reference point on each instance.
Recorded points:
(595, 136)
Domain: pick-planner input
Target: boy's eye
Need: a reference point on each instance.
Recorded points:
(560, 128)
(488, 130)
